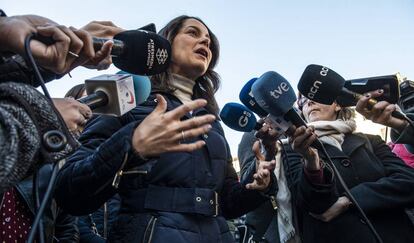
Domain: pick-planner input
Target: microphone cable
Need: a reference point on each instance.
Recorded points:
(345, 186)
(37, 222)
(348, 192)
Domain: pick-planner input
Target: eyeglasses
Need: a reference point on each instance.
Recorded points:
(302, 102)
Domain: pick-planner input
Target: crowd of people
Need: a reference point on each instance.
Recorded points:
(163, 172)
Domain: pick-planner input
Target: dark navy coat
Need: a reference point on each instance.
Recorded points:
(172, 198)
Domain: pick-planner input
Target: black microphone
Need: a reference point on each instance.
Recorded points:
(276, 96)
(323, 85)
(388, 83)
(138, 52)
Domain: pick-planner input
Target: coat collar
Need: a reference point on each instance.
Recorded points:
(352, 142)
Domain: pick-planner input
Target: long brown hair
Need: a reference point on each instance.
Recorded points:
(207, 85)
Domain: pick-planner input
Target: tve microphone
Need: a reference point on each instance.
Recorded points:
(239, 117)
(323, 85)
(276, 96)
(115, 94)
(388, 83)
(138, 52)
(247, 98)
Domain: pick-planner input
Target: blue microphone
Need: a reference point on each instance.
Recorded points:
(247, 98)
(239, 118)
(276, 96)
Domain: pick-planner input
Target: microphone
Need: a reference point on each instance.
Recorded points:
(276, 96)
(388, 83)
(323, 85)
(138, 51)
(115, 94)
(247, 98)
(239, 118)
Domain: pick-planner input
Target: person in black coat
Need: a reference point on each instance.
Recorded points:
(182, 187)
(380, 181)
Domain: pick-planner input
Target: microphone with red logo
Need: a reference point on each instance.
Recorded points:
(116, 94)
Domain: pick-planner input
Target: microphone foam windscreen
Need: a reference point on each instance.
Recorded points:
(274, 93)
(247, 98)
(320, 84)
(149, 27)
(142, 87)
(238, 117)
(145, 53)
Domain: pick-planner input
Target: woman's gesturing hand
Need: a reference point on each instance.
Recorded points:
(163, 131)
(262, 177)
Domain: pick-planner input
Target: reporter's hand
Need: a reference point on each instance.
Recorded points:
(268, 137)
(15, 29)
(381, 112)
(102, 29)
(300, 142)
(262, 177)
(163, 131)
(74, 113)
(340, 206)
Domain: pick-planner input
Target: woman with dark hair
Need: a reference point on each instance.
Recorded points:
(175, 195)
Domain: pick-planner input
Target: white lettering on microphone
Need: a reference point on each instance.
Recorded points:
(244, 119)
(314, 89)
(151, 54)
(324, 71)
(283, 87)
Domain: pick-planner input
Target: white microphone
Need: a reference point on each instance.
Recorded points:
(111, 94)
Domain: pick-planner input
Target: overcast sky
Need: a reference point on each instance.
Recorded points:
(355, 38)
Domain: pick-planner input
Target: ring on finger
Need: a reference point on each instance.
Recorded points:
(70, 53)
(183, 135)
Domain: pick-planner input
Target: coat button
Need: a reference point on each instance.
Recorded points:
(211, 201)
(198, 199)
(346, 163)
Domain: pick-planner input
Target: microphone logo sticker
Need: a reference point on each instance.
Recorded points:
(314, 89)
(324, 71)
(162, 56)
(276, 93)
(151, 54)
(244, 119)
(131, 97)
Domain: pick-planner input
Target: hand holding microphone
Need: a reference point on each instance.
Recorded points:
(301, 142)
(381, 112)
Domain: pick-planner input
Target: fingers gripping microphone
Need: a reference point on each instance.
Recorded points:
(323, 85)
(116, 94)
(239, 118)
(276, 96)
(138, 52)
(389, 84)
